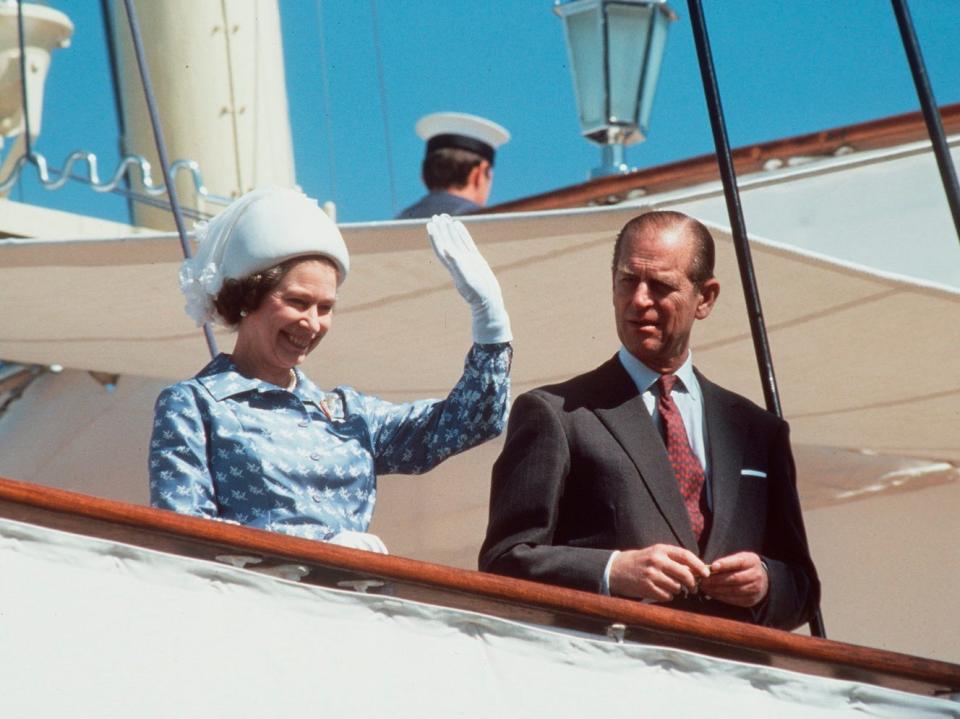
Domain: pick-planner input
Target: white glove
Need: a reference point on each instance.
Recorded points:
(473, 278)
(359, 540)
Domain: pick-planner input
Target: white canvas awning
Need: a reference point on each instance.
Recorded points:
(856, 351)
(866, 361)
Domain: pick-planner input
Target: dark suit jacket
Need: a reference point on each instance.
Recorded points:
(584, 471)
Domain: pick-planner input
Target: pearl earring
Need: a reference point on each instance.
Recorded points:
(243, 313)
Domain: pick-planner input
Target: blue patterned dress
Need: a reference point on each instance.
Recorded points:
(305, 462)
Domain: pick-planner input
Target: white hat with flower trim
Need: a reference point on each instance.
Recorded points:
(259, 230)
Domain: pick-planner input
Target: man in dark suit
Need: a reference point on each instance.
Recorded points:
(644, 479)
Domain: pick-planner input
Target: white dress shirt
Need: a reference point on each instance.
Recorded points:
(688, 397)
(686, 394)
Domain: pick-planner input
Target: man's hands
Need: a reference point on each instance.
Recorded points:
(659, 572)
(739, 579)
(663, 571)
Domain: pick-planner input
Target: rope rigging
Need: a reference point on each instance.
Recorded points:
(384, 111)
(328, 114)
(127, 162)
(52, 178)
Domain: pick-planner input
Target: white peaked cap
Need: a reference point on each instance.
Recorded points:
(458, 129)
(257, 231)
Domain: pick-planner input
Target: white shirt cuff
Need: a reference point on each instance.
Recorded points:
(605, 584)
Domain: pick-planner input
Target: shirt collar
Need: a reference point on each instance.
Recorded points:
(306, 390)
(645, 378)
(222, 379)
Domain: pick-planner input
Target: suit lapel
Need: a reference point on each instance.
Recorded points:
(630, 424)
(727, 435)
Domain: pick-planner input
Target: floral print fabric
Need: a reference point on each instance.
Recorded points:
(305, 462)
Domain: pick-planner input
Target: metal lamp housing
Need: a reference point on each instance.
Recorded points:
(615, 49)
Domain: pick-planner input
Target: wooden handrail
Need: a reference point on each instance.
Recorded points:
(886, 132)
(476, 591)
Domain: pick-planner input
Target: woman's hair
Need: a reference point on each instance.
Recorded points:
(245, 295)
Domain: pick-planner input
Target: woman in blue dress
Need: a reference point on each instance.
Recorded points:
(250, 439)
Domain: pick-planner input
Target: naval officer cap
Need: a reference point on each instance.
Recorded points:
(463, 131)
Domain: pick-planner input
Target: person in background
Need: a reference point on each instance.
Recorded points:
(642, 478)
(458, 166)
(251, 439)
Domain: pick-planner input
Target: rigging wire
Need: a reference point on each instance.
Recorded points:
(748, 280)
(381, 86)
(928, 105)
(157, 202)
(110, 41)
(162, 150)
(328, 108)
(54, 178)
(21, 41)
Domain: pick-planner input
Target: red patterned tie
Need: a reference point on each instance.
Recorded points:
(686, 466)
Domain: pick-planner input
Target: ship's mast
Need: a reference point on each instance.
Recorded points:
(218, 77)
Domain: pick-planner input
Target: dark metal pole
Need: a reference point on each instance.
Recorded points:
(109, 38)
(734, 210)
(162, 150)
(21, 40)
(744, 260)
(931, 114)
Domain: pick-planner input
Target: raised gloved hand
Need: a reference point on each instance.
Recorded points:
(473, 278)
(359, 540)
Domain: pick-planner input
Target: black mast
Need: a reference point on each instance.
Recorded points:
(162, 150)
(744, 260)
(931, 114)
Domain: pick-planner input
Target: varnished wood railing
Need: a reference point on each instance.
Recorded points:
(499, 596)
(871, 135)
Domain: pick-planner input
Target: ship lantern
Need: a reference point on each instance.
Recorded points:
(615, 49)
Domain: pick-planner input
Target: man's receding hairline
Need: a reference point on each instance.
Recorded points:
(659, 222)
(685, 226)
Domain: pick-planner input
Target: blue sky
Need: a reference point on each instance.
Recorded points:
(784, 68)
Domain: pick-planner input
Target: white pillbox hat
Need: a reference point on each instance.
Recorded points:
(262, 229)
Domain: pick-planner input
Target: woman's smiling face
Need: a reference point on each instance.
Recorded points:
(290, 322)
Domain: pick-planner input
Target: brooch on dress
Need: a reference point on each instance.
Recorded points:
(332, 406)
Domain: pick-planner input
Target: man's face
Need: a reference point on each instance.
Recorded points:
(654, 300)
